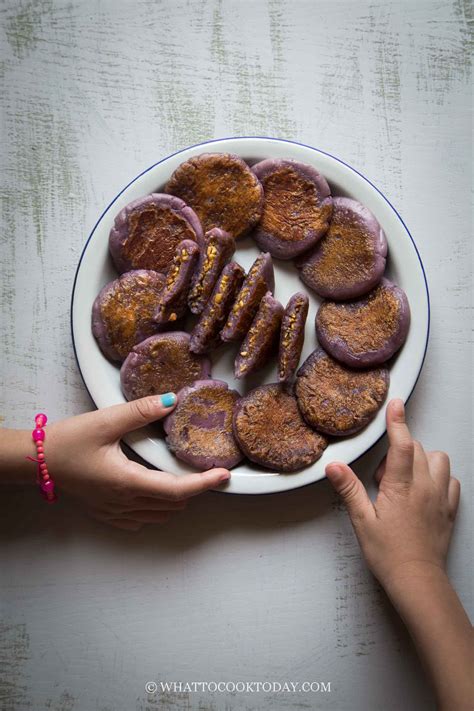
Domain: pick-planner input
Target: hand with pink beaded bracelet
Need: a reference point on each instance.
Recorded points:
(84, 456)
(43, 478)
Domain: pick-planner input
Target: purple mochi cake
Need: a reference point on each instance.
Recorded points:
(261, 339)
(218, 248)
(122, 314)
(173, 302)
(258, 281)
(292, 336)
(199, 430)
(271, 432)
(205, 334)
(368, 331)
(297, 207)
(162, 363)
(221, 189)
(337, 400)
(350, 259)
(146, 232)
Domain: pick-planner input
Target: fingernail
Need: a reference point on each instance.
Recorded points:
(398, 409)
(168, 399)
(224, 477)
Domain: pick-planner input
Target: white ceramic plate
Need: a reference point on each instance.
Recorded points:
(404, 267)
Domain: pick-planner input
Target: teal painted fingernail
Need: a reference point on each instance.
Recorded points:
(168, 399)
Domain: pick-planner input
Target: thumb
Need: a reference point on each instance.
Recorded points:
(120, 419)
(351, 490)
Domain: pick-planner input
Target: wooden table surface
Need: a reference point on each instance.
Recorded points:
(268, 588)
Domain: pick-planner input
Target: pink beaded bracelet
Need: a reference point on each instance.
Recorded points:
(43, 477)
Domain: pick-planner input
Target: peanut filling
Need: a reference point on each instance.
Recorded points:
(291, 332)
(175, 273)
(253, 282)
(260, 336)
(209, 314)
(175, 270)
(211, 254)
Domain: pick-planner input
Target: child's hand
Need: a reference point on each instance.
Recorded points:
(85, 460)
(409, 526)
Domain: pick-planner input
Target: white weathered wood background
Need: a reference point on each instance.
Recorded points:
(239, 588)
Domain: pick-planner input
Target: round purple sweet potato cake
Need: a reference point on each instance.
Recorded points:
(218, 248)
(221, 189)
(161, 364)
(271, 432)
(297, 207)
(122, 314)
(335, 399)
(173, 302)
(205, 334)
(258, 281)
(199, 430)
(261, 339)
(350, 259)
(292, 336)
(146, 232)
(368, 331)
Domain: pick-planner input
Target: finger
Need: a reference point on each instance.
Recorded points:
(120, 419)
(400, 455)
(150, 516)
(150, 504)
(420, 460)
(440, 469)
(380, 471)
(454, 494)
(125, 524)
(351, 490)
(115, 519)
(163, 485)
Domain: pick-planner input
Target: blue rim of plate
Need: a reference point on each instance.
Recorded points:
(279, 140)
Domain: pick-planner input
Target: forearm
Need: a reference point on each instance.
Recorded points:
(15, 446)
(441, 631)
